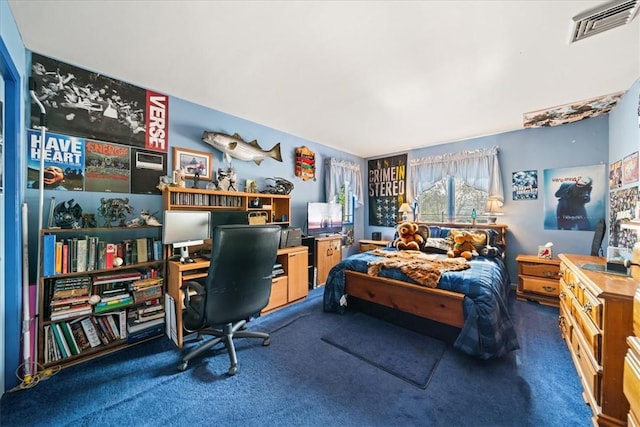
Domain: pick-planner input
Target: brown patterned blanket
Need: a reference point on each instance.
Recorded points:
(425, 269)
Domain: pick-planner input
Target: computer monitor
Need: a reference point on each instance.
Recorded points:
(182, 229)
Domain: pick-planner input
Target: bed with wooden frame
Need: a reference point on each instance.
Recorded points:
(473, 300)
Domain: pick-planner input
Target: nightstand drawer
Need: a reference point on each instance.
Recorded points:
(548, 271)
(541, 286)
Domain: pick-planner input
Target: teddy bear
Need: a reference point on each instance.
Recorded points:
(462, 246)
(408, 237)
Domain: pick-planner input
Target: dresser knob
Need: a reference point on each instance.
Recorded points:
(549, 288)
(562, 294)
(587, 307)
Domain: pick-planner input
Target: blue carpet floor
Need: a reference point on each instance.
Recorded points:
(302, 380)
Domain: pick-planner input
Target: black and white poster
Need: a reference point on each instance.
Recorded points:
(387, 178)
(90, 105)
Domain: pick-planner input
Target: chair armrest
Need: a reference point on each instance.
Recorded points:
(194, 304)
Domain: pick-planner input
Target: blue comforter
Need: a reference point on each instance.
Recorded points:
(488, 331)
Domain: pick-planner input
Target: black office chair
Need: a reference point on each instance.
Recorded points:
(237, 286)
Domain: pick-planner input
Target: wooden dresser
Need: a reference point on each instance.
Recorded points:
(596, 317)
(631, 381)
(538, 279)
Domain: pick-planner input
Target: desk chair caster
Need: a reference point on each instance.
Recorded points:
(182, 366)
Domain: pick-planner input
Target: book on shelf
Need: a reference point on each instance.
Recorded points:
(60, 341)
(65, 256)
(69, 313)
(69, 338)
(135, 327)
(58, 269)
(125, 276)
(81, 255)
(144, 294)
(110, 255)
(81, 339)
(141, 249)
(48, 255)
(113, 304)
(90, 331)
(143, 283)
(101, 335)
(105, 328)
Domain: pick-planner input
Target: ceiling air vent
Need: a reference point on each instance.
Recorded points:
(603, 18)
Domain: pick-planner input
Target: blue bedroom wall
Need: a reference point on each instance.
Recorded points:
(582, 143)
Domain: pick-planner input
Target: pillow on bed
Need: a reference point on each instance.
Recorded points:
(437, 245)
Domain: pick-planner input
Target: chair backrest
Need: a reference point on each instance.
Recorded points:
(238, 284)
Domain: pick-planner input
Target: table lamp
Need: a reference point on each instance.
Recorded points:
(493, 208)
(404, 209)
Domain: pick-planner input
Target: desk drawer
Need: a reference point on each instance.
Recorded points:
(279, 290)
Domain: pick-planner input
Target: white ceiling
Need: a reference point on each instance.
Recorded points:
(367, 77)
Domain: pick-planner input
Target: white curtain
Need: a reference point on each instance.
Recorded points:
(340, 172)
(478, 168)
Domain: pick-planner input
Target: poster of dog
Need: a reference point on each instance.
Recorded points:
(574, 197)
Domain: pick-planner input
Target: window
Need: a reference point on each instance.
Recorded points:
(451, 200)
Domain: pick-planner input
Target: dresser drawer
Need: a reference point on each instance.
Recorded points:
(590, 335)
(589, 374)
(548, 271)
(631, 375)
(540, 285)
(592, 306)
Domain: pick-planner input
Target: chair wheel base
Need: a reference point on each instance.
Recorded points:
(266, 341)
(232, 370)
(182, 366)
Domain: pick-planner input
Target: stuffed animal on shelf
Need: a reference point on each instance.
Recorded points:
(462, 246)
(408, 237)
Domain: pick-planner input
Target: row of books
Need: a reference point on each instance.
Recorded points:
(70, 297)
(206, 200)
(65, 339)
(70, 338)
(88, 253)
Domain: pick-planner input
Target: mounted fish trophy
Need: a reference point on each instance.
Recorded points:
(238, 148)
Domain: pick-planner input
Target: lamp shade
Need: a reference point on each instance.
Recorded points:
(493, 207)
(404, 209)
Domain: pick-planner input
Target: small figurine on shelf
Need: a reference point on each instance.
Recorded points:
(196, 179)
(149, 219)
(68, 214)
(114, 210)
(89, 220)
(179, 178)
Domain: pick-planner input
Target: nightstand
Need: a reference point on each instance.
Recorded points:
(368, 245)
(538, 279)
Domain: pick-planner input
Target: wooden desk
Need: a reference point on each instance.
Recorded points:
(286, 289)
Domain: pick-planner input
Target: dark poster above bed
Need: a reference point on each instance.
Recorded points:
(387, 189)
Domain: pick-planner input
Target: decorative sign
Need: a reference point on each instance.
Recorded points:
(630, 168)
(525, 185)
(305, 163)
(387, 189)
(574, 197)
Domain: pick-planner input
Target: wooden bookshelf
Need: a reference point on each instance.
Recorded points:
(65, 287)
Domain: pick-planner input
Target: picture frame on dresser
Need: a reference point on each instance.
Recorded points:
(192, 162)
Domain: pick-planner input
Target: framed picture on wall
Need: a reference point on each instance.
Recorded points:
(193, 162)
